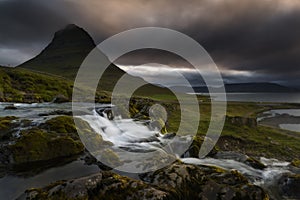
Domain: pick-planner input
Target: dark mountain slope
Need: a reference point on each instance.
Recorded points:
(64, 55)
(66, 52)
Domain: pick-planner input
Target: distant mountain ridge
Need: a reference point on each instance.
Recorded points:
(242, 88)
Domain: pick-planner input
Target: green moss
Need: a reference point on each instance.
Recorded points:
(5, 122)
(6, 126)
(110, 158)
(21, 85)
(197, 145)
(37, 145)
(296, 163)
(60, 124)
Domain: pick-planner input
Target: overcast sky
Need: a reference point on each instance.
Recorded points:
(250, 40)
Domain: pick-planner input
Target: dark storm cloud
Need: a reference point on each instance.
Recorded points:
(261, 36)
(27, 21)
(26, 27)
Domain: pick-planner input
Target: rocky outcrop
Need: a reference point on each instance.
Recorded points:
(242, 121)
(6, 127)
(239, 157)
(184, 181)
(53, 139)
(37, 145)
(104, 185)
(10, 107)
(177, 181)
(194, 149)
(295, 163)
(60, 99)
(288, 186)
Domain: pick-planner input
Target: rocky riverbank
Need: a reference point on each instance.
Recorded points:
(177, 181)
(47, 138)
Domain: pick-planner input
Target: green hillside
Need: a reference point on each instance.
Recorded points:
(21, 85)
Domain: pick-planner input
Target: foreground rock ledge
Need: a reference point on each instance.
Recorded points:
(177, 181)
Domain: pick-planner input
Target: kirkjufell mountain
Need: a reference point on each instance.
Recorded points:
(66, 52)
(64, 55)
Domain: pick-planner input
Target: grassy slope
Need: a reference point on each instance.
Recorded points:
(260, 141)
(21, 85)
(255, 141)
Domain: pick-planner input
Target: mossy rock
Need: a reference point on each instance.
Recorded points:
(60, 99)
(92, 139)
(6, 126)
(196, 145)
(110, 158)
(159, 124)
(256, 164)
(37, 145)
(63, 125)
(184, 181)
(103, 185)
(296, 163)
(288, 186)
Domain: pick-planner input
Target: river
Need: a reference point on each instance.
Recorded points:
(134, 136)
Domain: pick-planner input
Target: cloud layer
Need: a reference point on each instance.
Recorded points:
(260, 36)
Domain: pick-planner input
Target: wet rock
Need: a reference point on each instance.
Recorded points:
(37, 145)
(148, 139)
(196, 145)
(6, 127)
(103, 185)
(295, 163)
(240, 158)
(169, 135)
(159, 125)
(57, 112)
(60, 99)
(62, 125)
(289, 185)
(11, 107)
(184, 181)
(106, 111)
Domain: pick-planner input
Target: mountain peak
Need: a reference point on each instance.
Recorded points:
(64, 54)
(70, 28)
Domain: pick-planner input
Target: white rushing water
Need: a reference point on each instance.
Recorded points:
(266, 178)
(136, 136)
(128, 133)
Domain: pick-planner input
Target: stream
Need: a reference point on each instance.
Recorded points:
(132, 135)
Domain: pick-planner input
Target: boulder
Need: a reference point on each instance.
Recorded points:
(60, 99)
(103, 185)
(10, 107)
(288, 186)
(185, 181)
(7, 127)
(196, 145)
(295, 163)
(239, 157)
(37, 145)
